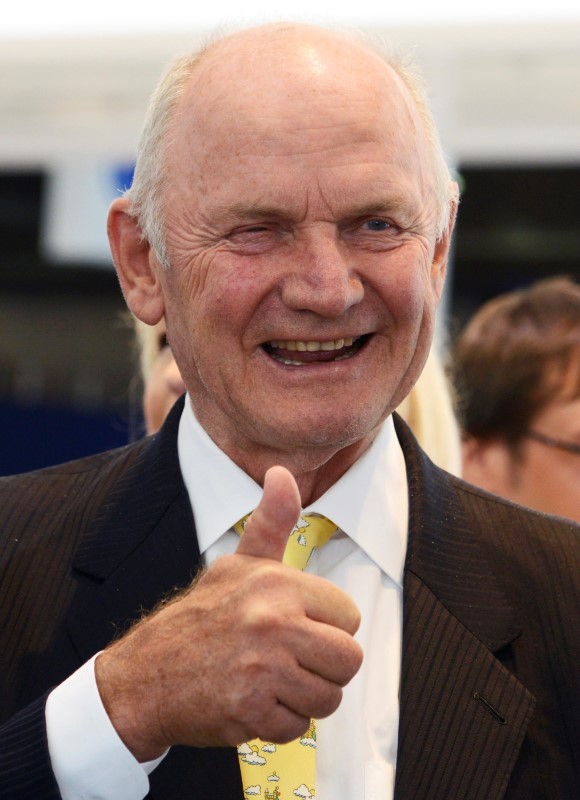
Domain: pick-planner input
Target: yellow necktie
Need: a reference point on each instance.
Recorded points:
(286, 771)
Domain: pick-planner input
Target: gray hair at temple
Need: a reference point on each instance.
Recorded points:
(146, 193)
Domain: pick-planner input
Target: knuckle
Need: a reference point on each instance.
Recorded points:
(354, 620)
(262, 618)
(357, 656)
(348, 662)
(287, 730)
(353, 661)
(328, 702)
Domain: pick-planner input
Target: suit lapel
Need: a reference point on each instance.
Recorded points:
(463, 714)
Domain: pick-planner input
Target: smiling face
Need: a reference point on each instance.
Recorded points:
(301, 224)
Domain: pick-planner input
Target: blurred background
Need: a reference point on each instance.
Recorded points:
(74, 83)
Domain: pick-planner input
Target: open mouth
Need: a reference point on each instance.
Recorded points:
(297, 353)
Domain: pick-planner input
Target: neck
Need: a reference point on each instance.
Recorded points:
(315, 469)
(315, 465)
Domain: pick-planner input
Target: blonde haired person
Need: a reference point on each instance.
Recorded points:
(428, 410)
(161, 380)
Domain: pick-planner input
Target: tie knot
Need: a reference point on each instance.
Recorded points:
(310, 532)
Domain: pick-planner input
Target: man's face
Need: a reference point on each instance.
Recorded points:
(300, 228)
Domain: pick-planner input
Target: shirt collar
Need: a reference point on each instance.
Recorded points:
(369, 502)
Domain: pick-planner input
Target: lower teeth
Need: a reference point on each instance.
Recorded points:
(288, 362)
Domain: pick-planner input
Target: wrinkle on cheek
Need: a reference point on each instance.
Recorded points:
(412, 266)
(191, 266)
(425, 249)
(197, 271)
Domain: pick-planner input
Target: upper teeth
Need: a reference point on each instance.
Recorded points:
(312, 347)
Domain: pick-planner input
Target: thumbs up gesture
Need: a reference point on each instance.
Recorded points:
(253, 648)
(268, 528)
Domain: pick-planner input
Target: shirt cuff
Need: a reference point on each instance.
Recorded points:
(88, 758)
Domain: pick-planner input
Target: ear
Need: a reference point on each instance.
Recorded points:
(443, 245)
(136, 264)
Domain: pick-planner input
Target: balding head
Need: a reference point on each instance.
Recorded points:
(281, 65)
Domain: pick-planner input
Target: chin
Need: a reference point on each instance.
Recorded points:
(334, 433)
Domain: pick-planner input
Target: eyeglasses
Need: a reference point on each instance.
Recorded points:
(559, 444)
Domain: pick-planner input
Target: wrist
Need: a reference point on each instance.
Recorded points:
(128, 707)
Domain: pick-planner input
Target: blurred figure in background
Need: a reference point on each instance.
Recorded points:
(427, 409)
(162, 382)
(516, 369)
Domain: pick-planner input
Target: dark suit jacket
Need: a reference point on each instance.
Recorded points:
(489, 685)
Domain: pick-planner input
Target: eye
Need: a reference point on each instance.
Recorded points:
(255, 238)
(249, 232)
(255, 229)
(377, 234)
(377, 225)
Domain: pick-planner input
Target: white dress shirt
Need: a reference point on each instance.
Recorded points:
(357, 745)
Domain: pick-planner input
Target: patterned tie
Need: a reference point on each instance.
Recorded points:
(285, 771)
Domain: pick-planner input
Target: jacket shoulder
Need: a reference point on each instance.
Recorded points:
(511, 525)
(86, 464)
(34, 505)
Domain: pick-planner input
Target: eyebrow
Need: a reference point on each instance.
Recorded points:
(243, 211)
(249, 211)
(394, 204)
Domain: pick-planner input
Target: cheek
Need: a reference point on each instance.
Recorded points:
(407, 292)
(194, 308)
(412, 304)
(190, 277)
(217, 281)
(238, 294)
(211, 313)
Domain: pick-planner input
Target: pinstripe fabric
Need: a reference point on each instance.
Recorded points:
(489, 691)
(477, 741)
(43, 516)
(26, 733)
(490, 683)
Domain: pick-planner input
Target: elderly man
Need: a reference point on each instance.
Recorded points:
(290, 218)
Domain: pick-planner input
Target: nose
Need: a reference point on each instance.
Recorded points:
(321, 278)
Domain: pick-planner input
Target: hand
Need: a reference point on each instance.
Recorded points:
(253, 648)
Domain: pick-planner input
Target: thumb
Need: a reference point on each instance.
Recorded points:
(269, 526)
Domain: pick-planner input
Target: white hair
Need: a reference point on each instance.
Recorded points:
(146, 192)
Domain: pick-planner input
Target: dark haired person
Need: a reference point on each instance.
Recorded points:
(516, 368)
